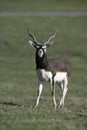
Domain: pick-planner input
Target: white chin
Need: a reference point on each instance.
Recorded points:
(40, 56)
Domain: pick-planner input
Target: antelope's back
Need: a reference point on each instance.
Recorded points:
(59, 65)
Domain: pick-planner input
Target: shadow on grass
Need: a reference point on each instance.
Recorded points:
(10, 104)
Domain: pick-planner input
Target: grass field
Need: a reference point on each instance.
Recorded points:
(18, 82)
(42, 5)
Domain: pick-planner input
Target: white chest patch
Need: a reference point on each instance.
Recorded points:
(47, 75)
(44, 75)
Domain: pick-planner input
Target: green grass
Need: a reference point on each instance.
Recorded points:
(45, 5)
(18, 82)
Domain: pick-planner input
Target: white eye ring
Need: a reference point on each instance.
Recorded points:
(44, 47)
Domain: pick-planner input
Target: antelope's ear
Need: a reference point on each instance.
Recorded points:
(32, 44)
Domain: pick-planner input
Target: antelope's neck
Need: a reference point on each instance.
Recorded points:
(41, 63)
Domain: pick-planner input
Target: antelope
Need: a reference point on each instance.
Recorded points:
(56, 70)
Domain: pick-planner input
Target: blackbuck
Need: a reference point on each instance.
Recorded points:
(54, 70)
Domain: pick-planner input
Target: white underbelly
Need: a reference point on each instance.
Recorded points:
(60, 76)
(47, 75)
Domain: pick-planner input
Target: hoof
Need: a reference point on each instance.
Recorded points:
(61, 107)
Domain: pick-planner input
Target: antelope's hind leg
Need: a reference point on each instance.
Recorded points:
(64, 91)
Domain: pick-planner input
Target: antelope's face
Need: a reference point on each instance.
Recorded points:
(41, 51)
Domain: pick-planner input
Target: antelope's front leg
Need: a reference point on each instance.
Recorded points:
(40, 84)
